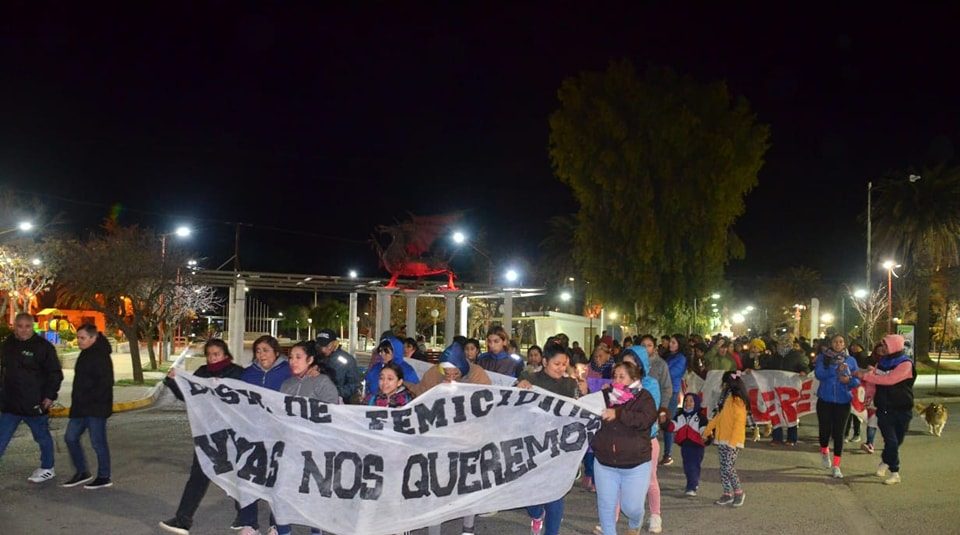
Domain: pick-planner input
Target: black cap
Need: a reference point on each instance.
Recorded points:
(325, 336)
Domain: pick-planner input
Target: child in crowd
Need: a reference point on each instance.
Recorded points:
(729, 424)
(687, 427)
(391, 393)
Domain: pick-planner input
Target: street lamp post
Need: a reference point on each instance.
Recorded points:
(434, 314)
(890, 265)
(309, 328)
(181, 232)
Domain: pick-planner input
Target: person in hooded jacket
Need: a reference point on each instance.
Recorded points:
(677, 363)
(31, 378)
(836, 371)
(784, 356)
(219, 364)
(893, 377)
(389, 350)
(497, 357)
(687, 427)
(453, 368)
(90, 406)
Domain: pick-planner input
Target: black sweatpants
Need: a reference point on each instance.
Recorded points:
(832, 418)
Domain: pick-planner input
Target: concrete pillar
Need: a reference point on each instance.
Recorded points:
(603, 320)
(464, 315)
(353, 330)
(814, 319)
(273, 327)
(508, 312)
(383, 311)
(411, 312)
(450, 318)
(238, 322)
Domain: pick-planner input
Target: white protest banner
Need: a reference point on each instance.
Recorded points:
(777, 397)
(458, 449)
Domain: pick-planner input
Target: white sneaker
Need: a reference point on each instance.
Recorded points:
(42, 474)
(883, 470)
(837, 473)
(893, 479)
(825, 461)
(656, 524)
(247, 530)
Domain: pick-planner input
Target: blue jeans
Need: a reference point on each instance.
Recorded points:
(791, 434)
(692, 461)
(624, 486)
(893, 426)
(39, 426)
(668, 436)
(98, 439)
(553, 518)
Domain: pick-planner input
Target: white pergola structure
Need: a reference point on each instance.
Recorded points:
(239, 282)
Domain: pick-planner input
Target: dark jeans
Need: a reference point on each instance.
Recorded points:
(893, 427)
(692, 460)
(668, 436)
(98, 439)
(39, 427)
(554, 515)
(832, 418)
(853, 423)
(193, 493)
(588, 463)
(791, 434)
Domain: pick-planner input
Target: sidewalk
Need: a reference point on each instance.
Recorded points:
(125, 398)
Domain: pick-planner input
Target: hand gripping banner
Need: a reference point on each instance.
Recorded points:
(458, 449)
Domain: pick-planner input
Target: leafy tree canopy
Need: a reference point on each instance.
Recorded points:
(659, 164)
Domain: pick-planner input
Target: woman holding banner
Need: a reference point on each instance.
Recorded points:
(545, 519)
(219, 364)
(836, 370)
(269, 369)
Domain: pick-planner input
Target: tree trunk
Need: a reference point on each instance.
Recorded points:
(921, 349)
(151, 352)
(134, 339)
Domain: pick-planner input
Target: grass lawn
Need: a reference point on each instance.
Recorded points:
(130, 382)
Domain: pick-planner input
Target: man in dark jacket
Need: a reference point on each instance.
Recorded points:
(343, 363)
(31, 379)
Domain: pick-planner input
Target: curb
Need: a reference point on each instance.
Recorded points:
(122, 406)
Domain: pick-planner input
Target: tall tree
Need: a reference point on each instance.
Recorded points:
(919, 221)
(27, 268)
(121, 274)
(659, 164)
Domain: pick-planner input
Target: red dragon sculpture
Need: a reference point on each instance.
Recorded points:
(409, 252)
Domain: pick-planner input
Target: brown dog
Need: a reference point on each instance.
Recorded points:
(935, 415)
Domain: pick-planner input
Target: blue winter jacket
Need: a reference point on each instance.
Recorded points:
(831, 389)
(650, 384)
(373, 374)
(272, 378)
(677, 363)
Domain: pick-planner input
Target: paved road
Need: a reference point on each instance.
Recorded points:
(786, 491)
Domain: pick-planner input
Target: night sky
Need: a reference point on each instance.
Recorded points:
(330, 120)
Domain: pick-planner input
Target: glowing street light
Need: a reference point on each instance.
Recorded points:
(353, 274)
(36, 261)
(613, 316)
(183, 231)
(826, 318)
(738, 318)
(566, 296)
(25, 226)
(511, 275)
(714, 296)
(749, 308)
(459, 237)
(890, 265)
(860, 293)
